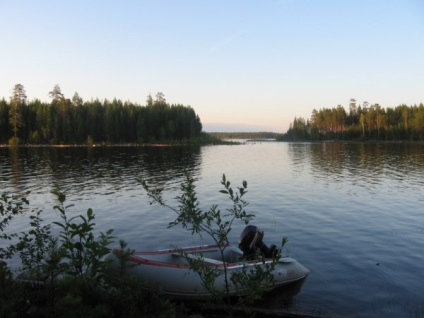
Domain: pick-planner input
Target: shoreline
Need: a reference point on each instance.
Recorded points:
(94, 145)
(191, 144)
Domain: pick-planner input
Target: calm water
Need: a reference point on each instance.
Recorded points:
(353, 212)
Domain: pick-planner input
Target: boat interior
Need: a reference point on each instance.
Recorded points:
(210, 256)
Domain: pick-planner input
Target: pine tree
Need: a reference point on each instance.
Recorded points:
(17, 100)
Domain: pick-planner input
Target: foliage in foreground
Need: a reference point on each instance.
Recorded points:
(217, 225)
(64, 276)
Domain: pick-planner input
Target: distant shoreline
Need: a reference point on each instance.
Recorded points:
(92, 146)
(188, 144)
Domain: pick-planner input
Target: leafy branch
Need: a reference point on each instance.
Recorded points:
(80, 246)
(211, 222)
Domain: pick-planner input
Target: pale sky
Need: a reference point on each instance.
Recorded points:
(252, 64)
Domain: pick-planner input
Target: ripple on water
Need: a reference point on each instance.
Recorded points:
(352, 212)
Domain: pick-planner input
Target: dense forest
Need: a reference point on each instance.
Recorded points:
(73, 121)
(360, 122)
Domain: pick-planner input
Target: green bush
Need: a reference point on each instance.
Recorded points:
(65, 276)
(217, 225)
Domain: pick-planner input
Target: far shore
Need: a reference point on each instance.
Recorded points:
(92, 146)
(223, 142)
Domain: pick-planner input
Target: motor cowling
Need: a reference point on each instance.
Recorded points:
(250, 243)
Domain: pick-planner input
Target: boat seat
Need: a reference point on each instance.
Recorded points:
(233, 256)
(198, 257)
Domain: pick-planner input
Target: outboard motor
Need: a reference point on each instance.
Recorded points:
(251, 241)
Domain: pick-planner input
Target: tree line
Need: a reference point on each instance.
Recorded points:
(244, 135)
(360, 122)
(74, 121)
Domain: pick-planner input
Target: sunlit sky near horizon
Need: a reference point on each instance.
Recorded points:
(243, 65)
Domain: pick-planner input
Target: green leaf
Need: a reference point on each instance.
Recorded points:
(61, 197)
(78, 246)
(59, 224)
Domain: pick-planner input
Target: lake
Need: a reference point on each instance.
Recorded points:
(353, 212)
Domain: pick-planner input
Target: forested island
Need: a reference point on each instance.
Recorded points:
(64, 121)
(74, 121)
(360, 122)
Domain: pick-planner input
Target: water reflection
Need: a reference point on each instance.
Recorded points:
(364, 164)
(299, 154)
(344, 206)
(282, 297)
(82, 169)
(15, 168)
